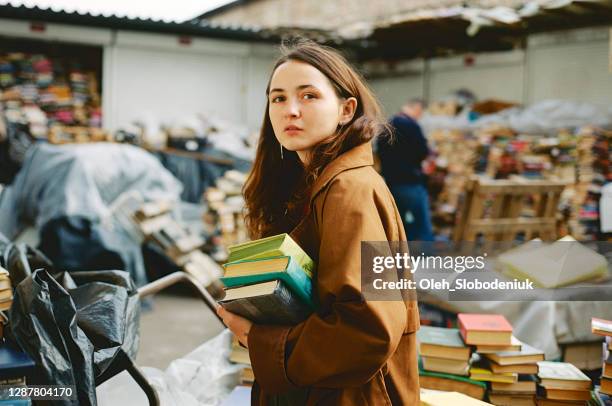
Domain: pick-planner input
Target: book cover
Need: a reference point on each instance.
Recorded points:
(527, 354)
(442, 342)
(291, 274)
(266, 303)
(484, 329)
(447, 337)
(276, 245)
(562, 375)
(554, 265)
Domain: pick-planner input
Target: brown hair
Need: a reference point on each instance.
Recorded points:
(277, 190)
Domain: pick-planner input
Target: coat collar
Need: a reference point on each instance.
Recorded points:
(356, 157)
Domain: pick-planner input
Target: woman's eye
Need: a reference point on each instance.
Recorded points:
(309, 96)
(277, 99)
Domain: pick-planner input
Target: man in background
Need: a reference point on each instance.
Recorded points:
(401, 160)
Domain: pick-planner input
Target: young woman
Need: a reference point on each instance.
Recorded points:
(313, 178)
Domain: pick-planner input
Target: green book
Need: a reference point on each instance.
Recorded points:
(282, 268)
(274, 246)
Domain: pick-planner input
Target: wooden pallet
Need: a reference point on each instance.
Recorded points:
(500, 210)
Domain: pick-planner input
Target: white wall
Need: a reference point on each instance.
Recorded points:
(152, 75)
(393, 92)
(490, 76)
(570, 65)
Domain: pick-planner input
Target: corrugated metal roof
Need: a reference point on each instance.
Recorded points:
(203, 28)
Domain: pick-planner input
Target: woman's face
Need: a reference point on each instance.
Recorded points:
(304, 108)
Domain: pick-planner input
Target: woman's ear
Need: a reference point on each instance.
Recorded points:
(349, 106)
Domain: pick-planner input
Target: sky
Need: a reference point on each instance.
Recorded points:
(174, 10)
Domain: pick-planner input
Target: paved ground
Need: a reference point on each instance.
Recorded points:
(177, 323)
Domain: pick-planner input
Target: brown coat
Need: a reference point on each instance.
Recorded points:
(351, 352)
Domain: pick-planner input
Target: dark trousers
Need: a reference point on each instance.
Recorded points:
(413, 204)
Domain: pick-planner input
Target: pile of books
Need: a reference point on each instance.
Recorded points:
(226, 212)
(57, 86)
(604, 328)
(445, 362)
(240, 355)
(155, 223)
(268, 281)
(561, 383)
(504, 362)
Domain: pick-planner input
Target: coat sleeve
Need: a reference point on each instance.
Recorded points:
(348, 345)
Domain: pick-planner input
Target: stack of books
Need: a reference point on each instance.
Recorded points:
(240, 355)
(505, 363)
(521, 363)
(604, 328)
(155, 223)
(561, 383)
(268, 281)
(445, 362)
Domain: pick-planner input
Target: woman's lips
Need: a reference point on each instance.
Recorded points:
(292, 130)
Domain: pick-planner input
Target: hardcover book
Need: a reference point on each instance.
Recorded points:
(526, 384)
(274, 246)
(482, 374)
(442, 343)
(282, 268)
(449, 366)
(562, 375)
(266, 303)
(488, 329)
(451, 383)
(526, 355)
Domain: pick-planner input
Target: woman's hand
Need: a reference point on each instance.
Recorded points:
(237, 325)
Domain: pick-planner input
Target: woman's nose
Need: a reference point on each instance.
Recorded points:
(293, 109)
